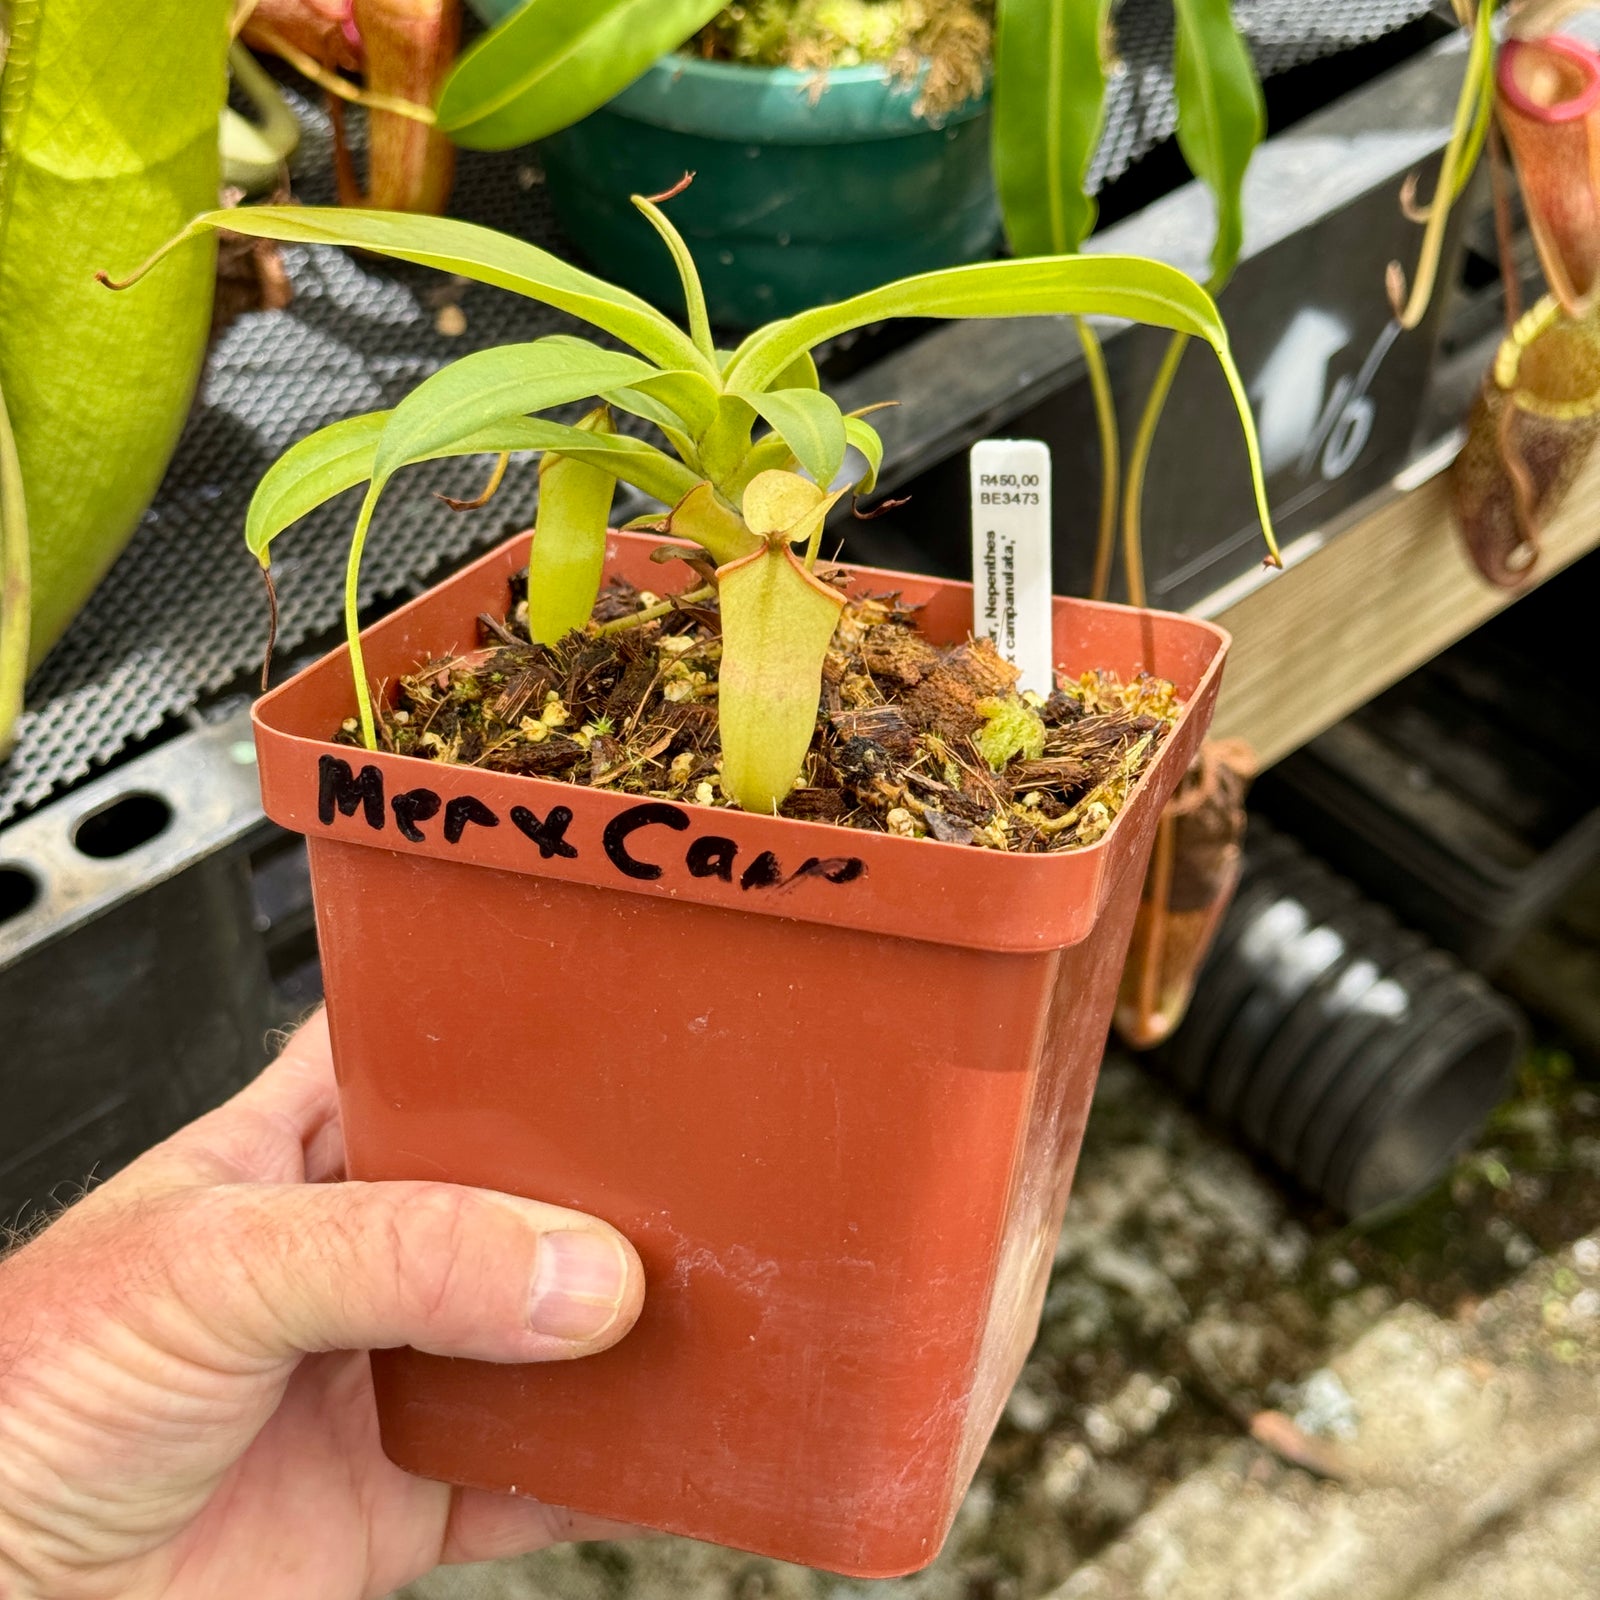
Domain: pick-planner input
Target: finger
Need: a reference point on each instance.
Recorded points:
(268, 1272)
(283, 1127)
(488, 1527)
(297, 1089)
(324, 1154)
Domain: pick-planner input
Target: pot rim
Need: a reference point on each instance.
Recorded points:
(922, 888)
(735, 102)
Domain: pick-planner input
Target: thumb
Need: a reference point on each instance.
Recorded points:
(269, 1271)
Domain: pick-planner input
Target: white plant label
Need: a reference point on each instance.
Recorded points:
(1011, 554)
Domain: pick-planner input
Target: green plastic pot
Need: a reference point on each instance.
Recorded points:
(799, 197)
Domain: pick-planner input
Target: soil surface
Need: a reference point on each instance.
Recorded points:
(911, 738)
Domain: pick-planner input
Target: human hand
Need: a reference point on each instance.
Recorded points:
(185, 1408)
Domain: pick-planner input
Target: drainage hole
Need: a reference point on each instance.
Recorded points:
(18, 891)
(122, 826)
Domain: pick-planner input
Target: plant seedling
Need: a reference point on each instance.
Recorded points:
(756, 453)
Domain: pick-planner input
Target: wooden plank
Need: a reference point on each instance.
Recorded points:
(1374, 602)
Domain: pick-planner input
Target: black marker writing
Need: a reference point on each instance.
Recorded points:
(412, 807)
(549, 835)
(463, 809)
(630, 821)
(338, 786)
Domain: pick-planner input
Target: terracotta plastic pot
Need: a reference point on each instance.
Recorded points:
(831, 1084)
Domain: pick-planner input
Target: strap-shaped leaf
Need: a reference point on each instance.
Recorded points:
(1049, 107)
(469, 250)
(776, 623)
(867, 440)
(308, 474)
(1096, 285)
(489, 385)
(623, 457)
(809, 423)
(801, 373)
(688, 394)
(1093, 285)
(554, 61)
(725, 444)
(342, 455)
(638, 403)
(694, 294)
(1480, 75)
(770, 453)
(1221, 116)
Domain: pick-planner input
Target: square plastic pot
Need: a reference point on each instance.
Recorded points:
(832, 1085)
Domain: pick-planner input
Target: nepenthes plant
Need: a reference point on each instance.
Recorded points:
(753, 453)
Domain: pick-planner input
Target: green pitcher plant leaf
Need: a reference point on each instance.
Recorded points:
(468, 250)
(770, 453)
(632, 460)
(809, 423)
(569, 539)
(694, 295)
(726, 443)
(688, 396)
(553, 61)
(490, 385)
(343, 454)
(1132, 287)
(1221, 116)
(621, 456)
(309, 474)
(1098, 285)
(860, 433)
(637, 403)
(641, 403)
(1481, 66)
(801, 373)
(777, 620)
(1049, 108)
(1221, 119)
(1049, 94)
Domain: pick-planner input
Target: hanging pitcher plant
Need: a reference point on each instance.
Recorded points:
(389, 56)
(756, 455)
(1549, 102)
(1538, 415)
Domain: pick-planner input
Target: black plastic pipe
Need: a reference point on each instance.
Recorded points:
(1343, 1048)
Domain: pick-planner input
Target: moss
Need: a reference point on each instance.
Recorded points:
(947, 42)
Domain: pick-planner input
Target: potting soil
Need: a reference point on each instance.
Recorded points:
(911, 738)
